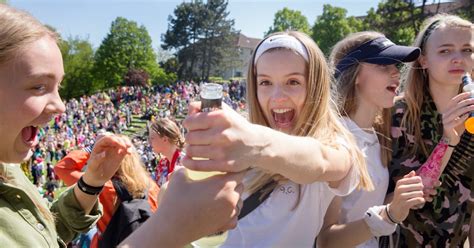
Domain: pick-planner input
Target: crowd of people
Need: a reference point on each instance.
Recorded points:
(319, 153)
(113, 111)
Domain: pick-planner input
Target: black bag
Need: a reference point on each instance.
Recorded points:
(130, 214)
(257, 198)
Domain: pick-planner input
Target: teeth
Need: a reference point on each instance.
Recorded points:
(281, 111)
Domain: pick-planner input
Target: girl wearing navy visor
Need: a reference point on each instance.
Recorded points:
(367, 79)
(432, 112)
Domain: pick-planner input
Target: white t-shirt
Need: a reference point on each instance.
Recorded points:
(356, 204)
(278, 222)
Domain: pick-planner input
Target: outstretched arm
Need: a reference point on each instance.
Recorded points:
(233, 144)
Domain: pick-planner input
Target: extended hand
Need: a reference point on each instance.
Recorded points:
(200, 208)
(230, 142)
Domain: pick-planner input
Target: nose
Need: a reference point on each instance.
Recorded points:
(457, 58)
(55, 105)
(279, 95)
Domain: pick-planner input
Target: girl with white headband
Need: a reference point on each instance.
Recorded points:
(298, 154)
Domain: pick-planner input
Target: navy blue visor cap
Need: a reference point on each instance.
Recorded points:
(380, 51)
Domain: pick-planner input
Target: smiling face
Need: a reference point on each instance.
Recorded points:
(29, 97)
(376, 85)
(448, 55)
(281, 87)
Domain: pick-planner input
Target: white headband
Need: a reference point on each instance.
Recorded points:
(281, 40)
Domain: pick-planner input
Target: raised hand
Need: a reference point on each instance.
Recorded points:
(105, 159)
(408, 194)
(455, 115)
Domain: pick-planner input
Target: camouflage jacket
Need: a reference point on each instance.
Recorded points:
(445, 221)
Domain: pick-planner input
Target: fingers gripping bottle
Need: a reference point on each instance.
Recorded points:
(468, 86)
(211, 99)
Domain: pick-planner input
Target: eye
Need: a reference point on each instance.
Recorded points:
(294, 82)
(264, 83)
(467, 50)
(39, 88)
(444, 51)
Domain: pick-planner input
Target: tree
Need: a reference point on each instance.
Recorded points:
(170, 65)
(136, 77)
(163, 55)
(202, 35)
(127, 46)
(399, 20)
(78, 57)
(183, 32)
(219, 38)
(287, 19)
(467, 12)
(332, 25)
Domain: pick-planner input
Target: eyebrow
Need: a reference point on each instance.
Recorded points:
(289, 74)
(451, 45)
(45, 75)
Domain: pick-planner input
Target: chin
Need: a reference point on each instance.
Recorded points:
(20, 157)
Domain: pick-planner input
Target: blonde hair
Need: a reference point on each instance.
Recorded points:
(168, 128)
(415, 81)
(17, 30)
(345, 89)
(318, 116)
(133, 175)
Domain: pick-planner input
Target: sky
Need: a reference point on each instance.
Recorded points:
(91, 19)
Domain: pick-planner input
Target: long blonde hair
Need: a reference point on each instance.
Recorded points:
(415, 80)
(345, 89)
(318, 116)
(133, 175)
(17, 30)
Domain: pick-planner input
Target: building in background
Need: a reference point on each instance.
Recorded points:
(245, 46)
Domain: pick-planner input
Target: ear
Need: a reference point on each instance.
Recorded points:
(423, 62)
(356, 82)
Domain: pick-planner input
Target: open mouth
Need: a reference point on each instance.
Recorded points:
(30, 135)
(283, 117)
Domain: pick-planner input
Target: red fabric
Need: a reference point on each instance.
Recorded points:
(69, 169)
(165, 163)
